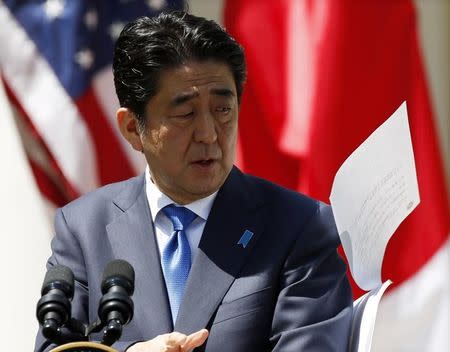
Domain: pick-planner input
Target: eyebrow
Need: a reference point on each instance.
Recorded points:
(224, 92)
(184, 97)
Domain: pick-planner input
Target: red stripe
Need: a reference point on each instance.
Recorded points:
(47, 187)
(112, 163)
(58, 195)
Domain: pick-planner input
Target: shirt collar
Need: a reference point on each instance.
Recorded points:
(158, 200)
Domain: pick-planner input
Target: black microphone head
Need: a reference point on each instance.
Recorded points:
(59, 277)
(53, 309)
(118, 272)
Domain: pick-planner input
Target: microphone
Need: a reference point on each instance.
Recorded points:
(54, 309)
(116, 307)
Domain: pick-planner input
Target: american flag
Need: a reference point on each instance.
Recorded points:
(56, 64)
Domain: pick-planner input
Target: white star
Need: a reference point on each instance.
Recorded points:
(115, 28)
(85, 58)
(156, 5)
(91, 19)
(54, 8)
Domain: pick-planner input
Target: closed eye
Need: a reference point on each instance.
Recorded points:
(189, 114)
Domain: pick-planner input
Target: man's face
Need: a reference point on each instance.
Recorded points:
(191, 127)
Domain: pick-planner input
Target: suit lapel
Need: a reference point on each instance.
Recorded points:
(132, 238)
(219, 258)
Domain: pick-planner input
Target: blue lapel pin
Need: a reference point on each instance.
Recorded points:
(245, 238)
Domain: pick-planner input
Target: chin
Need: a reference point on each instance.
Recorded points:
(205, 189)
(203, 192)
(206, 184)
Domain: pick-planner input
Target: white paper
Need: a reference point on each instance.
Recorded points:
(365, 310)
(374, 190)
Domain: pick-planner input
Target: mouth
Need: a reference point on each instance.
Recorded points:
(204, 162)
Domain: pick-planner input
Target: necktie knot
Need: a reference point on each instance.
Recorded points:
(180, 217)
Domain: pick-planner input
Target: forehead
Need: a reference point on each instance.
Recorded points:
(195, 77)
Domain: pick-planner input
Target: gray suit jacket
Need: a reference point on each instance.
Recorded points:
(286, 291)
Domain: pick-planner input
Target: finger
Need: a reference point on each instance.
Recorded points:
(195, 340)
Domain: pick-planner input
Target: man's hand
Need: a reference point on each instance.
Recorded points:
(173, 342)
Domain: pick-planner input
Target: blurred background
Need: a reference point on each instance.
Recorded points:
(322, 75)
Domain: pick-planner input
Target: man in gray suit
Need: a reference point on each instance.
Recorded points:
(224, 261)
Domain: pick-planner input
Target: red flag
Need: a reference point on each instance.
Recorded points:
(322, 76)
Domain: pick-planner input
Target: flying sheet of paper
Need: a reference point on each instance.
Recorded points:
(374, 190)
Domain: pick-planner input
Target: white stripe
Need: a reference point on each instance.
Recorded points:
(24, 239)
(415, 315)
(103, 85)
(47, 104)
(306, 30)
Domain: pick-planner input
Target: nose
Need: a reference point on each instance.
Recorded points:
(205, 129)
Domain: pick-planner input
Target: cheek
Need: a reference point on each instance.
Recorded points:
(170, 145)
(228, 138)
(156, 140)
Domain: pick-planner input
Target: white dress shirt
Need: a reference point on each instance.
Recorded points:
(163, 226)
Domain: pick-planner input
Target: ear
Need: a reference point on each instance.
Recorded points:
(128, 125)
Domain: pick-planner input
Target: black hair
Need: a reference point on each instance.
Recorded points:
(147, 46)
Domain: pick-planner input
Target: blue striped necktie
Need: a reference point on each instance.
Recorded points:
(176, 257)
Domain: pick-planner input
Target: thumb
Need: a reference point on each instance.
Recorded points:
(175, 339)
